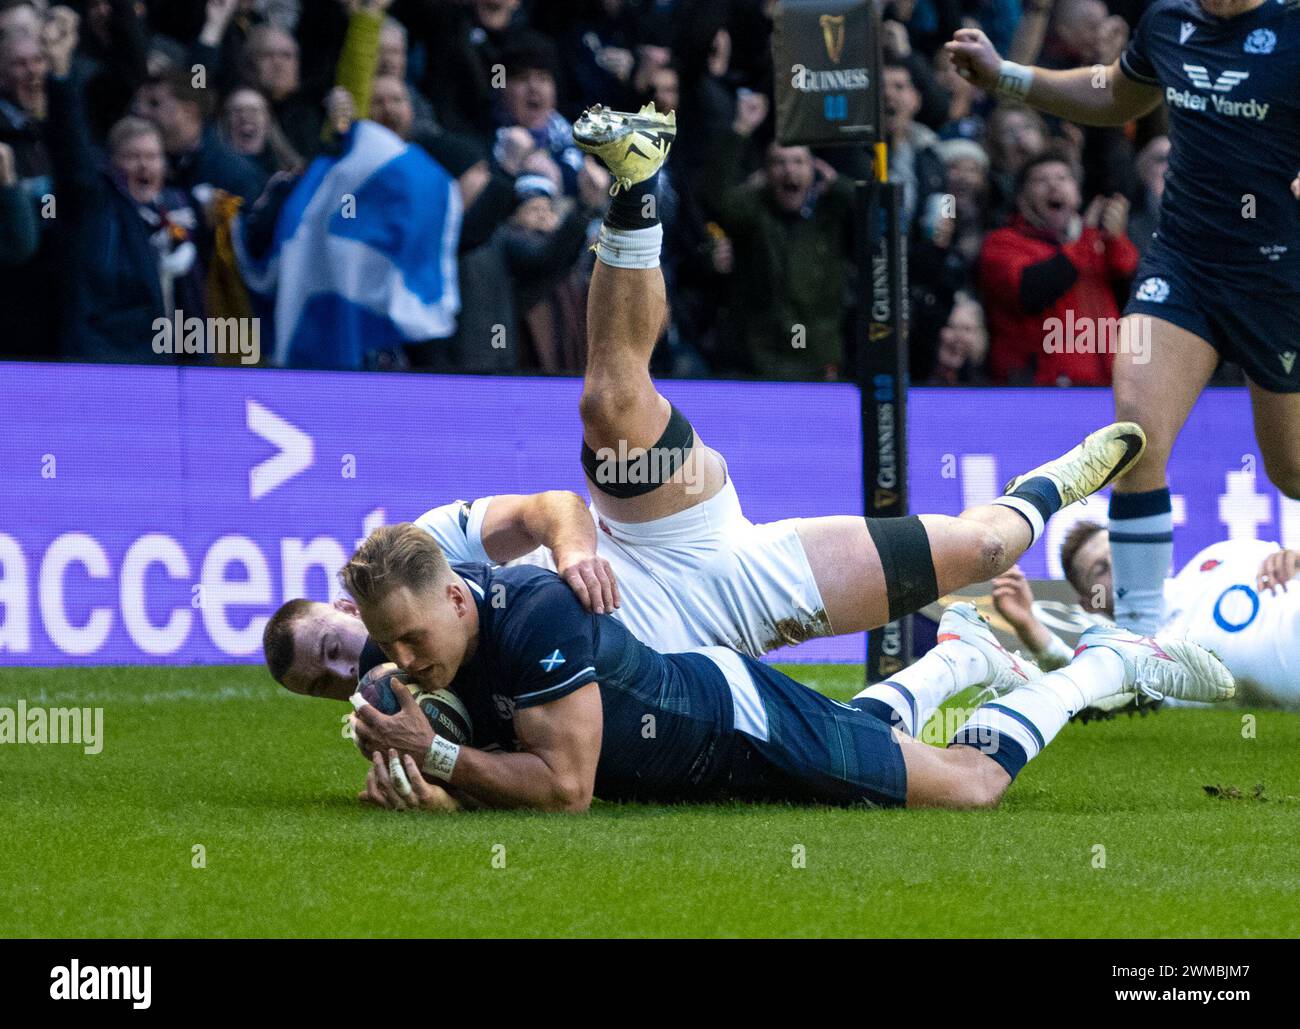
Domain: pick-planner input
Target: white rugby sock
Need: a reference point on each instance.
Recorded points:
(629, 248)
(1141, 551)
(910, 698)
(1027, 511)
(1014, 729)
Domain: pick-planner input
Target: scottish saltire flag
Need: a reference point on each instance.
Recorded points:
(363, 257)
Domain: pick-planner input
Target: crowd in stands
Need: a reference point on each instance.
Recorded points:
(156, 156)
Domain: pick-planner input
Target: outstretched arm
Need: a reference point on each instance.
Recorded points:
(1089, 96)
(516, 525)
(360, 54)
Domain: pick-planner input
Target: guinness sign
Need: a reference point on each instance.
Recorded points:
(827, 72)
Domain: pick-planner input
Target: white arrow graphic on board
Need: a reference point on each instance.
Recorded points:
(297, 450)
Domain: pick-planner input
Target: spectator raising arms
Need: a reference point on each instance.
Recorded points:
(1050, 279)
(792, 230)
(246, 94)
(134, 256)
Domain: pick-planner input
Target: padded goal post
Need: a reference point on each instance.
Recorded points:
(826, 56)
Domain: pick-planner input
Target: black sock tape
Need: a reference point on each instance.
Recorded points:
(645, 472)
(907, 562)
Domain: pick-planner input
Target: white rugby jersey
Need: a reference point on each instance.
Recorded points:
(1214, 602)
(705, 576)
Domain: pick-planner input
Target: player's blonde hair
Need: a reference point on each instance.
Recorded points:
(391, 557)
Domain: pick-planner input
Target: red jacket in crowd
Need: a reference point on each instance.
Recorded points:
(1045, 302)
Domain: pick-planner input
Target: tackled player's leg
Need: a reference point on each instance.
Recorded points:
(872, 571)
(850, 573)
(641, 456)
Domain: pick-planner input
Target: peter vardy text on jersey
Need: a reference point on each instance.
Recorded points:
(1251, 108)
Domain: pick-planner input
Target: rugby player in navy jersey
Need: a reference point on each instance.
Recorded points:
(667, 526)
(1222, 276)
(573, 707)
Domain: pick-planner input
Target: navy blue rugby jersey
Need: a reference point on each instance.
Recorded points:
(1232, 86)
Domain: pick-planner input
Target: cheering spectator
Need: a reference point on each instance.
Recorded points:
(272, 68)
(394, 47)
(133, 253)
(530, 66)
(1013, 136)
(540, 248)
(946, 252)
(1083, 34)
(248, 129)
(23, 67)
(914, 160)
(792, 231)
(1051, 272)
(196, 154)
(963, 344)
(957, 220)
(525, 314)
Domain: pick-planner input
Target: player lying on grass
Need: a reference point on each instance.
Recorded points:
(1232, 598)
(665, 529)
(580, 709)
(1222, 277)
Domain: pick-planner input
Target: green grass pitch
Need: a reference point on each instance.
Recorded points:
(218, 758)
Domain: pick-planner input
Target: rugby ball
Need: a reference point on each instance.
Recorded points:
(445, 711)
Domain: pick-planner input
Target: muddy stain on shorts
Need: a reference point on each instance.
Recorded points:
(788, 632)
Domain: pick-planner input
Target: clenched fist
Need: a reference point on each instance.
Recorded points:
(974, 57)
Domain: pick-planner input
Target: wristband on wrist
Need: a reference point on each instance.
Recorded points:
(441, 759)
(1014, 80)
